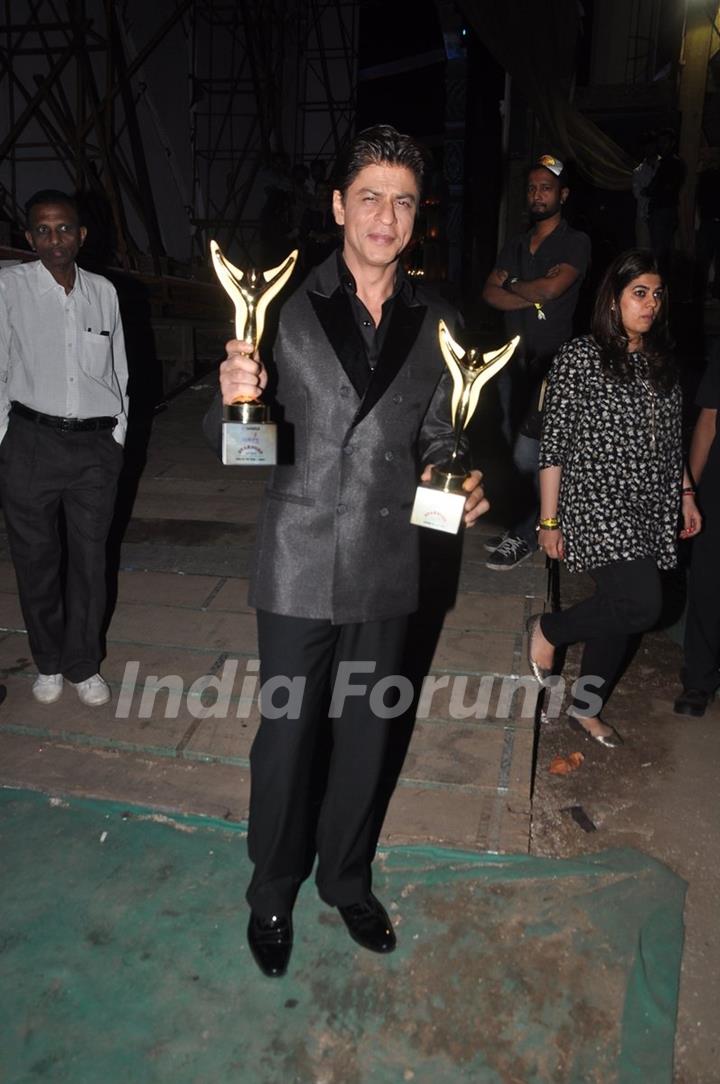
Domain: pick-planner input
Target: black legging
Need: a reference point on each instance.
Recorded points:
(627, 601)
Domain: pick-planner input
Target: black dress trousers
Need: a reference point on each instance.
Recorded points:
(702, 626)
(300, 804)
(42, 471)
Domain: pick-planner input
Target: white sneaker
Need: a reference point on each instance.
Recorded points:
(93, 691)
(47, 688)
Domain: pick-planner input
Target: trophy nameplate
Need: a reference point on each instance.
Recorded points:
(439, 503)
(249, 438)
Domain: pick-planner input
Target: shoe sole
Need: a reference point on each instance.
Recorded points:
(695, 713)
(509, 568)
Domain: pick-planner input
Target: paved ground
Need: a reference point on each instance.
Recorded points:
(181, 615)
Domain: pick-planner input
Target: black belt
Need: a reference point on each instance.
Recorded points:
(73, 425)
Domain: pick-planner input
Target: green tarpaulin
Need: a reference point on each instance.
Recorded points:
(123, 961)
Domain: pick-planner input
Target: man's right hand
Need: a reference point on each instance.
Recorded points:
(242, 374)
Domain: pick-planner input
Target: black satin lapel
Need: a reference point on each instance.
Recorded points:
(405, 324)
(336, 316)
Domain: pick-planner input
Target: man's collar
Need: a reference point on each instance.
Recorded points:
(46, 281)
(347, 279)
(561, 227)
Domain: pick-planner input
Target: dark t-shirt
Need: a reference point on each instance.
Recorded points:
(541, 339)
(664, 189)
(707, 195)
(708, 395)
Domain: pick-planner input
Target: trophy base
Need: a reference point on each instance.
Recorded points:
(249, 444)
(438, 509)
(446, 481)
(250, 413)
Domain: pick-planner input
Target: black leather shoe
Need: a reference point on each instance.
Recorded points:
(369, 925)
(691, 702)
(270, 941)
(609, 741)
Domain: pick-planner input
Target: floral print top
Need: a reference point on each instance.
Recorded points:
(619, 444)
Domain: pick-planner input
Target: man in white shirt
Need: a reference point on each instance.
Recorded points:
(63, 418)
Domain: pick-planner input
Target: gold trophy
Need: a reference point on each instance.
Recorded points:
(248, 436)
(439, 503)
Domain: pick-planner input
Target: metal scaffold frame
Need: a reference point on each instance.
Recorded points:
(259, 76)
(270, 76)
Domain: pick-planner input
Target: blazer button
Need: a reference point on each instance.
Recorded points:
(347, 450)
(389, 456)
(397, 398)
(344, 392)
(341, 508)
(384, 511)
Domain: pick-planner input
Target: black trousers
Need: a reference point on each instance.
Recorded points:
(702, 626)
(42, 471)
(301, 805)
(627, 601)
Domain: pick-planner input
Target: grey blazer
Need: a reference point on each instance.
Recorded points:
(334, 537)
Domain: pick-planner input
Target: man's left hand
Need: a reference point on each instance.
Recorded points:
(476, 504)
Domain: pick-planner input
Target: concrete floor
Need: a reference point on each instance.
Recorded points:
(182, 614)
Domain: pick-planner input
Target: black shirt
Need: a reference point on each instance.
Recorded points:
(708, 395)
(541, 339)
(373, 337)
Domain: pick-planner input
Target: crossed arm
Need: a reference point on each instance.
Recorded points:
(523, 294)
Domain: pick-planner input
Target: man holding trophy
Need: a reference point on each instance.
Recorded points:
(362, 384)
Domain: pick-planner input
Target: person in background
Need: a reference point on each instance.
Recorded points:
(707, 239)
(663, 194)
(613, 487)
(642, 175)
(701, 673)
(63, 419)
(536, 284)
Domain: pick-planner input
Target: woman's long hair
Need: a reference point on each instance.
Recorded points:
(607, 325)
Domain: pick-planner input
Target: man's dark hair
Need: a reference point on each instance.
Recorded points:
(609, 332)
(51, 195)
(381, 145)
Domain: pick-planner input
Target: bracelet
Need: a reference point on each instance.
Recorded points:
(552, 523)
(687, 490)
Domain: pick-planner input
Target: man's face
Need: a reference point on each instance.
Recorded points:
(56, 235)
(545, 197)
(378, 214)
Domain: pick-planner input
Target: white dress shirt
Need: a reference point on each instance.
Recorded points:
(61, 354)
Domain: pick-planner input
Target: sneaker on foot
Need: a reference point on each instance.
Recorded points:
(509, 554)
(495, 540)
(47, 688)
(93, 691)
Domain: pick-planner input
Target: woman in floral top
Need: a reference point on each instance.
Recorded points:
(613, 486)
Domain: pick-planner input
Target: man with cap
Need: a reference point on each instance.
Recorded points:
(536, 284)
